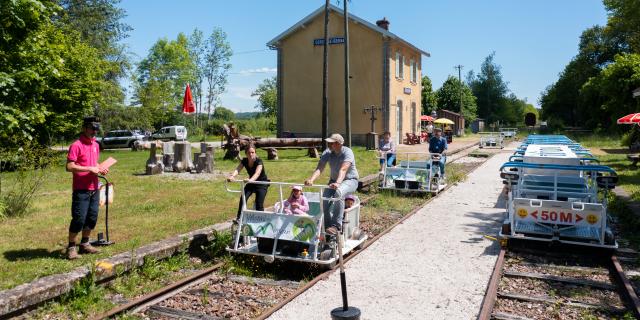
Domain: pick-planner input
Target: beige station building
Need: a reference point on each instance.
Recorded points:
(385, 72)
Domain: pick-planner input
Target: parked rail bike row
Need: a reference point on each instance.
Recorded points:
(557, 192)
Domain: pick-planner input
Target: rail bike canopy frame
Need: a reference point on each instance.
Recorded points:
(491, 140)
(563, 208)
(413, 175)
(307, 229)
(508, 132)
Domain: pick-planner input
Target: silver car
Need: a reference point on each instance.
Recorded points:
(119, 139)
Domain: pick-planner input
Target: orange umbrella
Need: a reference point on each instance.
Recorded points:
(187, 105)
(426, 118)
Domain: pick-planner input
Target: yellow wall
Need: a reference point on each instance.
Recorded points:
(397, 86)
(302, 77)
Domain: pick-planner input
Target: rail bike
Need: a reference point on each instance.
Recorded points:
(556, 194)
(491, 140)
(273, 234)
(508, 132)
(416, 172)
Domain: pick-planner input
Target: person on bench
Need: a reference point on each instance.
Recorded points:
(389, 147)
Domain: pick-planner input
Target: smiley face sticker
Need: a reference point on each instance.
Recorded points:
(522, 213)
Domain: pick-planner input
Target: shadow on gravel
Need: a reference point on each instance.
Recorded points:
(487, 225)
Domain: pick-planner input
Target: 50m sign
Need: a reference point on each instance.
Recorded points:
(567, 217)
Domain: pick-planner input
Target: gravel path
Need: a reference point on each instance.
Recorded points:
(435, 265)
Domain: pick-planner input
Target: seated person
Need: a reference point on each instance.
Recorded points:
(389, 147)
(297, 203)
(438, 144)
(349, 201)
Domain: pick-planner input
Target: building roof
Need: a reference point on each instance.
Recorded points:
(274, 42)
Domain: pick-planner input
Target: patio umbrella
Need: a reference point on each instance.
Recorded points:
(443, 121)
(633, 118)
(187, 105)
(426, 118)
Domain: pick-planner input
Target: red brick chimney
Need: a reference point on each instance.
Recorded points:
(384, 23)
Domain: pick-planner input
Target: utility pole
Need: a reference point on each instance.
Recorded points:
(347, 107)
(459, 67)
(325, 75)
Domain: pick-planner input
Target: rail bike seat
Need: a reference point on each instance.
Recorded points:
(544, 187)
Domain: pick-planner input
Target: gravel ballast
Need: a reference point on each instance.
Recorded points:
(435, 265)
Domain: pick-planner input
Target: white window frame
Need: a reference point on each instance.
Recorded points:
(399, 65)
(414, 71)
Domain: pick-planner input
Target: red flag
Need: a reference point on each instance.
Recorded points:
(187, 105)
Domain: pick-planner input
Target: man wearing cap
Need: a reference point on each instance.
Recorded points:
(82, 161)
(343, 178)
(438, 144)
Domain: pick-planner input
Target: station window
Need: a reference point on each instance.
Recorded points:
(414, 71)
(399, 65)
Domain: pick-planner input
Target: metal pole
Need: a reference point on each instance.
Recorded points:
(347, 107)
(325, 73)
(459, 67)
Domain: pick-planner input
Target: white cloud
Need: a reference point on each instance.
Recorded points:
(258, 70)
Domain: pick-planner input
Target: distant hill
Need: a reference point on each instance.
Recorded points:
(246, 115)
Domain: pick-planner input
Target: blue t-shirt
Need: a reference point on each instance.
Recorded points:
(335, 162)
(437, 145)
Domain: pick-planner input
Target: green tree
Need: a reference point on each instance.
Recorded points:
(267, 93)
(224, 114)
(162, 77)
(216, 67)
(197, 51)
(448, 97)
(624, 19)
(49, 78)
(611, 89)
(489, 89)
(429, 100)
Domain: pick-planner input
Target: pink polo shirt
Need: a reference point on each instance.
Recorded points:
(84, 152)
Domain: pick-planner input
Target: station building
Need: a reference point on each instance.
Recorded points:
(385, 72)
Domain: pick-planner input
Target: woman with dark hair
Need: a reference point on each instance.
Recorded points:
(256, 172)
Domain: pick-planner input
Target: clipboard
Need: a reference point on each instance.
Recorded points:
(108, 163)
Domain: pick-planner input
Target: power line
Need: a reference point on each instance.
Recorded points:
(250, 51)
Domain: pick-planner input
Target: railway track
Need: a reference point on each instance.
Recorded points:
(210, 294)
(536, 283)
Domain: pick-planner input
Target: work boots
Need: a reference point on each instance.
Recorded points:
(88, 248)
(72, 253)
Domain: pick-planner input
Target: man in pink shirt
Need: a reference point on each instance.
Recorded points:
(82, 161)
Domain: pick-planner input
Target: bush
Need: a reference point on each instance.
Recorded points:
(28, 164)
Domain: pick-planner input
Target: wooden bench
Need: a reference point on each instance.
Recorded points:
(634, 158)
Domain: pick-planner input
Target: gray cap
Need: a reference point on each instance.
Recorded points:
(335, 138)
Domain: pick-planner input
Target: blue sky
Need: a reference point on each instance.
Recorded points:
(533, 40)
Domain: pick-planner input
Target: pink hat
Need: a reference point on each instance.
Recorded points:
(296, 188)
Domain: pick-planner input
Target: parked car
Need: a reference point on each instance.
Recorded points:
(171, 133)
(119, 139)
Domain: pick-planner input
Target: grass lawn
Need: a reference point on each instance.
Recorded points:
(145, 209)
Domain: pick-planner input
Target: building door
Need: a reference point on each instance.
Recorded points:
(399, 121)
(413, 117)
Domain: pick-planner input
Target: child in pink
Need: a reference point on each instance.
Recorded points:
(297, 202)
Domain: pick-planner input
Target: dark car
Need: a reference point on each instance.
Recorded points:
(119, 139)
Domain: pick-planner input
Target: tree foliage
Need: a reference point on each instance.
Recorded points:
(162, 77)
(448, 97)
(429, 100)
(595, 88)
(223, 114)
(50, 77)
(216, 66)
(267, 94)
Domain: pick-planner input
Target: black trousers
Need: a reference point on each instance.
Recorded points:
(84, 210)
(261, 193)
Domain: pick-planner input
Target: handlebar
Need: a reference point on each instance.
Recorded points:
(319, 186)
